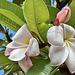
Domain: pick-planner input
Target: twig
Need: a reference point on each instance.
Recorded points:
(7, 36)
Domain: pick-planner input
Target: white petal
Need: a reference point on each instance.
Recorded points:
(72, 40)
(70, 62)
(69, 31)
(14, 44)
(55, 36)
(33, 48)
(58, 55)
(17, 54)
(25, 64)
(22, 35)
(8, 51)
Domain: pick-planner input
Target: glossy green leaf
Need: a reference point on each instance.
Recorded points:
(72, 19)
(48, 2)
(35, 12)
(3, 59)
(10, 20)
(1, 42)
(43, 28)
(18, 2)
(17, 10)
(2, 29)
(53, 13)
(42, 67)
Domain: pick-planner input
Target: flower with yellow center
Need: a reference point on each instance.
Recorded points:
(62, 47)
(22, 47)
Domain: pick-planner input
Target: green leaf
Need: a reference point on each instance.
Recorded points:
(43, 28)
(70, 2)
(16, 68)
(53, 13)
(58, 73)
(1, 42)
(17, 10)
(2, 29)
(72, 19)
(6, 73)
(18, 2)
(3, 59)
(35, 12)
(10, 20)
(42, 67)
(48, 2)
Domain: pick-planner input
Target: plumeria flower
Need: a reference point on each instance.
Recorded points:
(22, 48)
(62, 47)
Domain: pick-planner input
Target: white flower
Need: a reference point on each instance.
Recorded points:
(22, 47)
(62, 47)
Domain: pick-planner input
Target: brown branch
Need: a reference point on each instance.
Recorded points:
(7, 36)
(43, 45)
(60, 5)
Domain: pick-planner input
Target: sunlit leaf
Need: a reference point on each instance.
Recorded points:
(10, 20)
(17, 10)
(35, 12)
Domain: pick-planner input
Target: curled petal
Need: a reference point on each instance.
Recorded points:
(58, 55)
(55, 36)
(22, 35)
(17, 54)
(70, 62)
(25, 64)
(33, 48)
(8, 51)
(15, 44)
(69, 31)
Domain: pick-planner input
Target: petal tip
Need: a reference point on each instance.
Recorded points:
(5, 53)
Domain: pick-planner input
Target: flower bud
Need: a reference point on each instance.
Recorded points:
(63, 16)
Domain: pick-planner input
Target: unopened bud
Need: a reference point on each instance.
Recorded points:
(63, 16)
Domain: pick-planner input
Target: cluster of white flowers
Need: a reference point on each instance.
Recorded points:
(60, 36)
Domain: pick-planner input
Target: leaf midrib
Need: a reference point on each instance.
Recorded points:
(36, 22)
(8, 23)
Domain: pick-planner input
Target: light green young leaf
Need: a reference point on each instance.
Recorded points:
(72, 19)
(3, 59)
(17, 10)
(2, 29)
(10, 20)
(42, 67)
(35, 12)
(1, 42)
